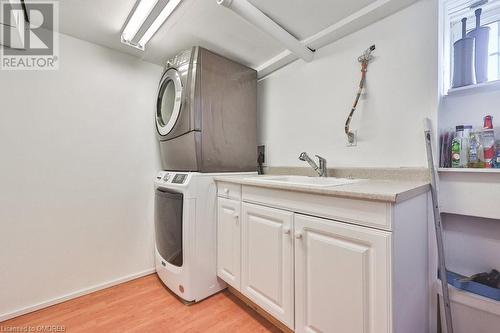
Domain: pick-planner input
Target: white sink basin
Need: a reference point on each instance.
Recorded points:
(306, 181)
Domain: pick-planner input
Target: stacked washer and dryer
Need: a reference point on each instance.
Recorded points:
(206, 125)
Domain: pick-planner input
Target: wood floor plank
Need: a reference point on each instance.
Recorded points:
(146, 305)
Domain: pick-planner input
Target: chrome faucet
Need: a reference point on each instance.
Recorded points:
(321, 169)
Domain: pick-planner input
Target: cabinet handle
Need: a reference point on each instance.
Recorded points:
(226, 191)
(286, 231)
(298, 235)
(237, 218)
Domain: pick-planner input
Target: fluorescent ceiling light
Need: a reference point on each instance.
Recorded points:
(146, 11)
(141, 12)
(165, 13)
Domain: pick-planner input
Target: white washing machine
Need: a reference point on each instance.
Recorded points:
(185, 233)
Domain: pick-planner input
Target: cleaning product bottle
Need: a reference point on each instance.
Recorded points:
(488, 141)
(456, 147)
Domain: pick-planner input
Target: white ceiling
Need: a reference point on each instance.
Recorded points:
(194, 22)
(204, 23)
(304, 18)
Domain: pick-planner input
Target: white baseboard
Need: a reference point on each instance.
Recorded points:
(75, 294)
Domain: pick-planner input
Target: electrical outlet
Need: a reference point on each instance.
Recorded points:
(354, 142)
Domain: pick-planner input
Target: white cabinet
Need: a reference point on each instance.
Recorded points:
(326, 264)
(267, 260)
(229, 241)
(342, 277)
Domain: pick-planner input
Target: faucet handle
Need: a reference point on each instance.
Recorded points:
(322, 166)
(320, 158)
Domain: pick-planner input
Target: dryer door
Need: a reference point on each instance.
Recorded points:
(169, 101)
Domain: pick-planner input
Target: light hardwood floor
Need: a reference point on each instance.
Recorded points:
(145, 305)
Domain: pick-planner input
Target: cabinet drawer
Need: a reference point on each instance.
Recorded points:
(229, 190)
(362, 212)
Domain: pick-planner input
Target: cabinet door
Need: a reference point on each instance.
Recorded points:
(342, 277)
(229, 242)
(267, 260)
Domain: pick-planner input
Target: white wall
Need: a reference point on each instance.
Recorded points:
(469, 109)
(303, 107)
(472, 244)
(78, 159)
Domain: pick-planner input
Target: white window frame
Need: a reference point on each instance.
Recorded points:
(453, 11)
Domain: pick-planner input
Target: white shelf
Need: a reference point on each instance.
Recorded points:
(470, 192)
(470, 299)
(469, 170)
(473, 88)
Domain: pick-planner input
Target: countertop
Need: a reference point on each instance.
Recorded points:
(393, 191)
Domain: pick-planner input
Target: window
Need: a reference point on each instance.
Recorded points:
(494, 52)
(454, 11)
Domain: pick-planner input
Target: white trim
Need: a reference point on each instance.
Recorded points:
(475, 88)
(260, 20)
(281, 60)
(75, 294)
(445, 45)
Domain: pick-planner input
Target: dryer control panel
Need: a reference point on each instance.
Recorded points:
(179, 60)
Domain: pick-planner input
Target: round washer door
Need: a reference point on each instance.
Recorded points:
(168, 104)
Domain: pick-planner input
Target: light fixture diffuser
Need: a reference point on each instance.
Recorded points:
(155, 11)
(137, 19)
(165, 13)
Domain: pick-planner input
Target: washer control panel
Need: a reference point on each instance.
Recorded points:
(179, 178)
(167, 177)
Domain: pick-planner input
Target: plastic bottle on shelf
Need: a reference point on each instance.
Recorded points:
(456, 147)
(496, 162)
(448, 136)
(476, 154)
(488, 141)
(464, 152)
